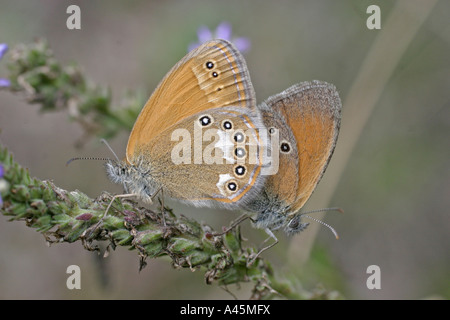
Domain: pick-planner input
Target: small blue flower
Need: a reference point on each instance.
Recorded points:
(3, 49)
(4, 83)
(223, 31)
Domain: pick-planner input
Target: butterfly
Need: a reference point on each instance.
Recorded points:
(204, 108)
(305, 119)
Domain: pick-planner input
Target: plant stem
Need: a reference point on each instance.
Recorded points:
(70, 216)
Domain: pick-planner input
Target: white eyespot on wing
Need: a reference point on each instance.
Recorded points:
(223, 178)
(226, 145)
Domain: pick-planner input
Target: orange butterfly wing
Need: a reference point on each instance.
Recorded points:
(312, 110)
(213, 75)
(202, 182)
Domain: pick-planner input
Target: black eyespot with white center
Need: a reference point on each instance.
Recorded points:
(239, 152)
(205, 121)
(215, 74)
(209, 65)
(285, 147)
(232, 186)
(240, 170)
(239, 137)
(227, 125)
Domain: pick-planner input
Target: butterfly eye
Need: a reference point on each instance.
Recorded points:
(232, 186)
(227, 125)
(294, 223)
(209, 65)
(240, 170)
(285, 147)
(239, 137)
(205, 121)
(272, 131)
(240, 152)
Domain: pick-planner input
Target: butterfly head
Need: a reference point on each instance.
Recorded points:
(294, 225)
(133, 179)
(275, 217)
(291, 223)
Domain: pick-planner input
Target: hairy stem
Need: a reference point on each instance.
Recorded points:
(70, 216)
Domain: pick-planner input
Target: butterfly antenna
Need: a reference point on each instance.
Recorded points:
(323, 210)
(85, 158)
(324, 224)
(110, 149)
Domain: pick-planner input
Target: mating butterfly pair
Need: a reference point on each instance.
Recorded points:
(203, 140)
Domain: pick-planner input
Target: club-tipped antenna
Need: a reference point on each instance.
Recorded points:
(110, 149)
(96, 158)
(304, 214)
(324, 224)
(86, 158)
(323, 210)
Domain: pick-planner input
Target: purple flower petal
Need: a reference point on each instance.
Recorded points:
(3, 49)
(242, 44)
(193, 45)
(204, 34)
(223, 31)
(4, 83)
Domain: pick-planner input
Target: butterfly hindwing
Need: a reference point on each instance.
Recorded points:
(213, 158)
(312, 112)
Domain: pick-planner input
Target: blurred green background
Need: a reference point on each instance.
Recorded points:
(394, 185)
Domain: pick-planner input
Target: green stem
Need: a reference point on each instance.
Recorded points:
(36, 73)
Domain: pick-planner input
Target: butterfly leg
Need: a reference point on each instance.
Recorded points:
(271, 236)
(162, 204)
(126, 195)
(234, 224)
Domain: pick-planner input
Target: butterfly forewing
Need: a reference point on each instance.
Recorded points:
(211, 76)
